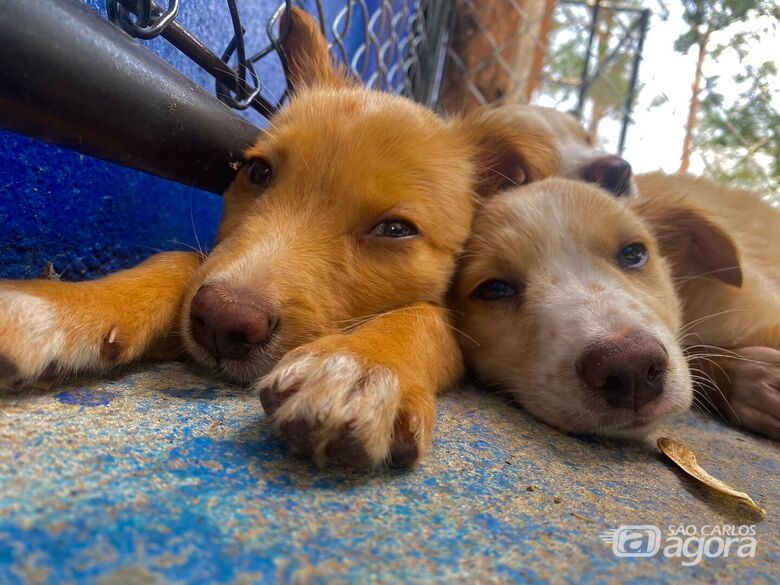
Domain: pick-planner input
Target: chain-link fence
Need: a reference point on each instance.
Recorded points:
(626, 67)
(390, 44)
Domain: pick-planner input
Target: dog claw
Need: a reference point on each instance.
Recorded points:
(346, 451)
(405, 452)
(8, 369)
(299, 434)
(272, 398)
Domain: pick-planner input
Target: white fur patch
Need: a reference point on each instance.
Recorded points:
(582, 315)
(574, 157)
(266, 250)
(29, 338)
(337, 392)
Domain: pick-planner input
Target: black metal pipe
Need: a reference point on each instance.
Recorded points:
(200, 54)
(431, 53)
(71, 78)
(631, 97)
(586, 79)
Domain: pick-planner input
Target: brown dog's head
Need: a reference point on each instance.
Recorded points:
(564, 301)
(580, 157)
(353, 203)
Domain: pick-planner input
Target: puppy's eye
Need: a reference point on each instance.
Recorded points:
(259, 172)
(493, 290)
(633, 256)
(394, 228)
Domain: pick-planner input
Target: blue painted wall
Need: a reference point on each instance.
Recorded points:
(89, 217)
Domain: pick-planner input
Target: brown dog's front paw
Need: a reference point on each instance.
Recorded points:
(335, 409)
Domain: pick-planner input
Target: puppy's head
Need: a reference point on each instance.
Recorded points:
(353, 203)
(564, 301)
(580, 158)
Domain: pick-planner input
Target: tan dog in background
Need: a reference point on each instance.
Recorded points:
(580, 158)
(336, 247)
(723, 246)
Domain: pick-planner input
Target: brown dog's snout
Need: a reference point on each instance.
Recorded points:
(611, 173)
(628, 369)
(229, 322)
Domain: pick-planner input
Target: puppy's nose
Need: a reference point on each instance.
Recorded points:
(229, 322)
(627, 369)
(611, 173)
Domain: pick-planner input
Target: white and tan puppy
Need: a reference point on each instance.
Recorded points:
(723, 247)
(564, 302)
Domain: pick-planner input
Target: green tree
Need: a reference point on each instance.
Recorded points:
(741, 135)
(565, 59)
(704, 18)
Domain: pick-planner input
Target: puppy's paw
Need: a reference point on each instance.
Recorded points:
(39, 339)
(28, 339)
(755, 390)
(335, 407)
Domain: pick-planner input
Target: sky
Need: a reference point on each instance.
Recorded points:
(654, 142)
(660, 130)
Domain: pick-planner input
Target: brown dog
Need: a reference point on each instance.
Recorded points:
(723, 247)
(334, 253)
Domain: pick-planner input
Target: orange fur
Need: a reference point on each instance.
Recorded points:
(355, 310)
(95, 325)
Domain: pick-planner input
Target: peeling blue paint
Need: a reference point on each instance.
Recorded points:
(209, 393)
(85, 397)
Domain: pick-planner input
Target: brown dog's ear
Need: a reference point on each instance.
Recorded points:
(695, 244)
(307, 60)
(508, 151)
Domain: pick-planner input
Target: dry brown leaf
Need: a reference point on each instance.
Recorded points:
(686, 460)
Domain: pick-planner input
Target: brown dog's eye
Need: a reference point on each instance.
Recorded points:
(259, 172)
(394, 228)
(494, 290)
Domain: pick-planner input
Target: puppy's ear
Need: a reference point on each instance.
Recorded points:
(694, 243)
(508, 150)
(307, 61)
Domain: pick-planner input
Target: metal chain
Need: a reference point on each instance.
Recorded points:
(386, 56)
(150, 20)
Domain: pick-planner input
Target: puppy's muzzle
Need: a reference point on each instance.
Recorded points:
(611, 173)
(628, 370)
(230, 322)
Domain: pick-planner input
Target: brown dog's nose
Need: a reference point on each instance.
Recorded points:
(627, 369)
(229, 322)
(610, 172)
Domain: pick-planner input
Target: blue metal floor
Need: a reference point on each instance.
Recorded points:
(162, 475)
